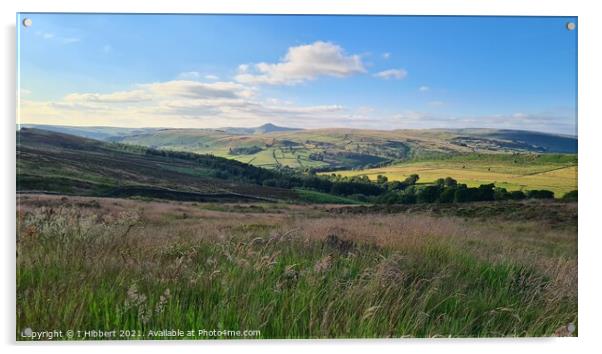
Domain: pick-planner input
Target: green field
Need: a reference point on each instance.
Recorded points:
(330, 148)
(554, 172)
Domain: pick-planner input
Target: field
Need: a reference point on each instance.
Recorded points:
(271, 146)
(557, 173)
(291, 271)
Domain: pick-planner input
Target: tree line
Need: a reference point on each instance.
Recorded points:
(381, 190)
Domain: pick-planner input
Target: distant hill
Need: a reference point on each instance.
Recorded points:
(99, 133)
(272, 146)
(528, 140)
(52, 162)
(263, 129)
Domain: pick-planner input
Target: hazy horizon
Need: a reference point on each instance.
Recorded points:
(288, 127)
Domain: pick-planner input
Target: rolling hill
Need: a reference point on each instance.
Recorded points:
(330, 149)
(51, 162)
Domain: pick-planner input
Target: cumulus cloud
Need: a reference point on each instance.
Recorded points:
(395, 74)
(179, 103)
(198, 90)
(114, 97)
(303, 63)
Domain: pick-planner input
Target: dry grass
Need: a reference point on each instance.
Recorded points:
(303, 273)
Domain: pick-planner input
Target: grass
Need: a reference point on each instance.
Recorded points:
(109, 264)
(557, 173)
(323, 198)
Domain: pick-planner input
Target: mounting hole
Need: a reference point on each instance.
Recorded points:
(570, 26)
(27, 22)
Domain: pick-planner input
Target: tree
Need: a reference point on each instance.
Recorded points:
(462, 194)
(570, 196)
(450, 182)
(517, 195)
(501, 194)
(540, 194)
(411, 180)
(408, 198)
(447, 195)
(486, 192)
(380, 179)
(429, 194)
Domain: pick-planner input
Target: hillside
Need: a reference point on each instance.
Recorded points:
(271, 146)
(555, 172)
(53, 162)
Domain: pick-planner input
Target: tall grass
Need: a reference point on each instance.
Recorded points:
(288, 276)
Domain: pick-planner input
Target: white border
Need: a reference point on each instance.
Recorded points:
(589, 173)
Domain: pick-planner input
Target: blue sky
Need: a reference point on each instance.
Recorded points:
(377, 72)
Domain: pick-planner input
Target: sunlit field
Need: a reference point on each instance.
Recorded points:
(558, 177)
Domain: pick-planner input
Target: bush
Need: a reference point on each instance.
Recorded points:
(450, 182)
(517, 195)
(486, 192)
(408, 198)
(447, 195)
(429, 194)
(570, 196)
(501, 194)
(540, 194)
(461, 194)
(389, 198)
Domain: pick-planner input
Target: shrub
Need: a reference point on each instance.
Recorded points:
(570, 196)
(450, 182)
(501, 194)
(517, 195)
(540, 194)
(447, 195)
(429, 194)
(486, 192)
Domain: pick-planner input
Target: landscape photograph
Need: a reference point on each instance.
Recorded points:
(232, 177)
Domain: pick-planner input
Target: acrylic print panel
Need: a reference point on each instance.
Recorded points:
(261, 177)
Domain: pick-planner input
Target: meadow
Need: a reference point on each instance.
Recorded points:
(283, 270)
(554, 172)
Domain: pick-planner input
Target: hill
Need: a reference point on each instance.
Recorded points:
(54, 162)
(331, 149)
(266, 128)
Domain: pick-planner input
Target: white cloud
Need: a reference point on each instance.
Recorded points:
(386, 56)
(303, 63)
(189, 75)
(178, 103)
(199, 90)
(424, 88)
(396, 74)
(56, 38)
(195, 75)
(114, 97)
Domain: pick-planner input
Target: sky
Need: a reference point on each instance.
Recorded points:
(372, 72)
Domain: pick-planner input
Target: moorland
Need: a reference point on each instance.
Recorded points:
(293, 233)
